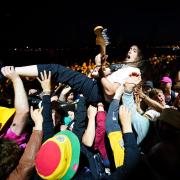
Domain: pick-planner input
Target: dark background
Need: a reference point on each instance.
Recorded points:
(65, 28)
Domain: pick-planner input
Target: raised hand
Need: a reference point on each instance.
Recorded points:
(45, 81)
(98, 60)
(133, 80)
(119, 92)
(9, 72)
(37, 117)
(91, 112)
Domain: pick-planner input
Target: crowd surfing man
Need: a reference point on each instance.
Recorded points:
(89, 87)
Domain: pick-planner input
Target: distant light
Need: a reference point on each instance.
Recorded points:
(27, 47)
(15, 49)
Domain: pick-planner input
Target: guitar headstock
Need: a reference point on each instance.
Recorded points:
(102, 38)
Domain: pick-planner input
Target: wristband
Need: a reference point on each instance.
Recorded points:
(46, 92)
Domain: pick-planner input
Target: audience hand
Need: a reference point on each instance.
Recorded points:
(91, 112)
(9, 72)
(133, 80)
(45, 81)
(37, 117)
(119, 92)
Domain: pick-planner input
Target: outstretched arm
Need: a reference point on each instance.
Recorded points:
(152, 103)
(149, 101)
(20, 100)
(89, 134)
(132, 153)
(26, 164)
(45, 81)
(64, 92)
(61, 74)
(139, 122)
(108, 87)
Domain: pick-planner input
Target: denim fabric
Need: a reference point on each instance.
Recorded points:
(112, 117)
(139, 122)
(79, 82)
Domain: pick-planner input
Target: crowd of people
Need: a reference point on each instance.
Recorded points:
(109, 123)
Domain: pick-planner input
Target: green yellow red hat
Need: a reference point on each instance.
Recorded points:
(58, 157)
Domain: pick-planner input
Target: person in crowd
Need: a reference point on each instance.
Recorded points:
(48, 169)
(13, 164)
(111, 81)
(78, 128)
(58, 157)
(140, 123)
(163, 158)
(14, 120)
(94, 135)
(14, 137)
(147, 86)
(100, 142)
(166, 86)
(66, 95)
(26, 164)
(156, 103)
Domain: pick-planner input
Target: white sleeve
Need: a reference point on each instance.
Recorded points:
(121, 75)
(152, 114)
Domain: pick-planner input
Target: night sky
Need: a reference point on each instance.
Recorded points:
(71, 24)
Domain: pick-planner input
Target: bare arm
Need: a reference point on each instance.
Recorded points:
(26, 164)
(20, 100)
(109, 88)
(89, 134)
(62, 96)
(150, 102)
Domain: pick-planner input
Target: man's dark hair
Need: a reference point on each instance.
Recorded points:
(10, 154)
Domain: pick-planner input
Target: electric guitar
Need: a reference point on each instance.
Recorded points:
(102, 39)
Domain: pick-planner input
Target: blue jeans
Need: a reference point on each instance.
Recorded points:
(79, 82)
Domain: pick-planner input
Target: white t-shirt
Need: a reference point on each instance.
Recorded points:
(153, 114)
(122, 74)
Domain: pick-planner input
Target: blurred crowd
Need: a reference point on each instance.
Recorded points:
(100, 120)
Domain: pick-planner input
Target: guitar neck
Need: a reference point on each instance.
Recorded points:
(103, 50)
(101, 39)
